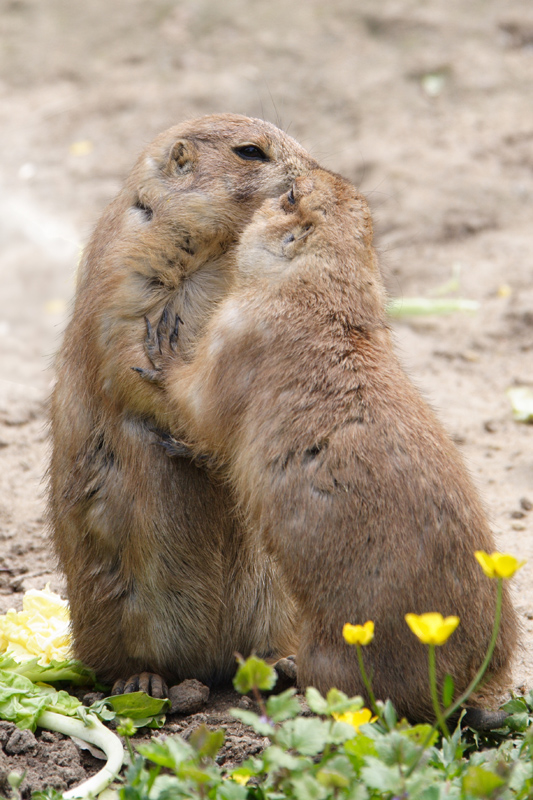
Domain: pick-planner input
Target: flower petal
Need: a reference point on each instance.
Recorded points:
(358, 634)
(432, 628)
(498, 565)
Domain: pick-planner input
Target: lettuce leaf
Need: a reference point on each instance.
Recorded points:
(73, 672)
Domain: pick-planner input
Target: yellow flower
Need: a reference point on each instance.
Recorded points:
(356, 718)
(498, 565)
(40, 629)
(432, 628)
(358, 634)
(240, 778)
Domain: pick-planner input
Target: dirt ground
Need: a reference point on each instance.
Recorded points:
(425, 104)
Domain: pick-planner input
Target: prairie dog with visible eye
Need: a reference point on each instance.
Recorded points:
(336, 460)
(162, 575)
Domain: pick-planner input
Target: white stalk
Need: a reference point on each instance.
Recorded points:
(418, 306)
(94, 733)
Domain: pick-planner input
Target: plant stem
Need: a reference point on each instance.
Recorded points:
(366, 681)
(473, 683)
(483, 668)
(434, 693)
(95, 733)
(259, 700)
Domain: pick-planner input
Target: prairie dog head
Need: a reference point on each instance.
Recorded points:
(197, 185)
(322, 215)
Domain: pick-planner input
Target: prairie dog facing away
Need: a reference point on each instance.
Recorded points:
(336, 460)
(162, 576)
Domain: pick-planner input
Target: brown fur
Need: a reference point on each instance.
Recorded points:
(161, 574)
(336, 459)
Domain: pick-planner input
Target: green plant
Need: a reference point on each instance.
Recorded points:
(322, 757)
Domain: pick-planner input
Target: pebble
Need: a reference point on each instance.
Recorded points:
(92, 697)
(188, 697)
(6, 730)
(20, 742)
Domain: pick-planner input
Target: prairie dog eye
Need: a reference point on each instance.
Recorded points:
(290, 196)
(250, 152)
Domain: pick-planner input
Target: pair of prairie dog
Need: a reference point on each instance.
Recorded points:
(167, 570)
(337, 464)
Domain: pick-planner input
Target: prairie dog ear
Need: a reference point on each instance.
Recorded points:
(181, 158)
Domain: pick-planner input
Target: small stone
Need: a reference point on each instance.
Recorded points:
(518, 526)
(5, 769)
(526, 504)
(246, 702)
(6, 731)
(92, 697)
(188, 697)
(20, 742)
(517, 515)
(48, 737)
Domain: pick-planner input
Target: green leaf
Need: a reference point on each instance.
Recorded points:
(518, 722)
(357, 791)
(381, 777)
(515, 706)
(229, 790)
(341, 732)
(447, 691)
(191, 771)
(70, 671)
(419, 734)
(307, 735)
(283, 706)
(338, 702)
(396, 749)
(259, 724)
(136, 705)
(22, 701)
(276, 758)
(306, 787)
(169, 753)
(206, 743)
(315, 701)
(336, 774)
(360, 747)
(481, 782)
(389, 715)
(254, 672)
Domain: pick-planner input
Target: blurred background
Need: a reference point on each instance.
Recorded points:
(426, 105)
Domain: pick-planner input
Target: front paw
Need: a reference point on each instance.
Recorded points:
(176, 448)
(148, 682)
(159, 345)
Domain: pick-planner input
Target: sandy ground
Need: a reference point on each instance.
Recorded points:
(425, 104)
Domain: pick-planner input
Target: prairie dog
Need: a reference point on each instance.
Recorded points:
(162, 576)
(336, 460)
